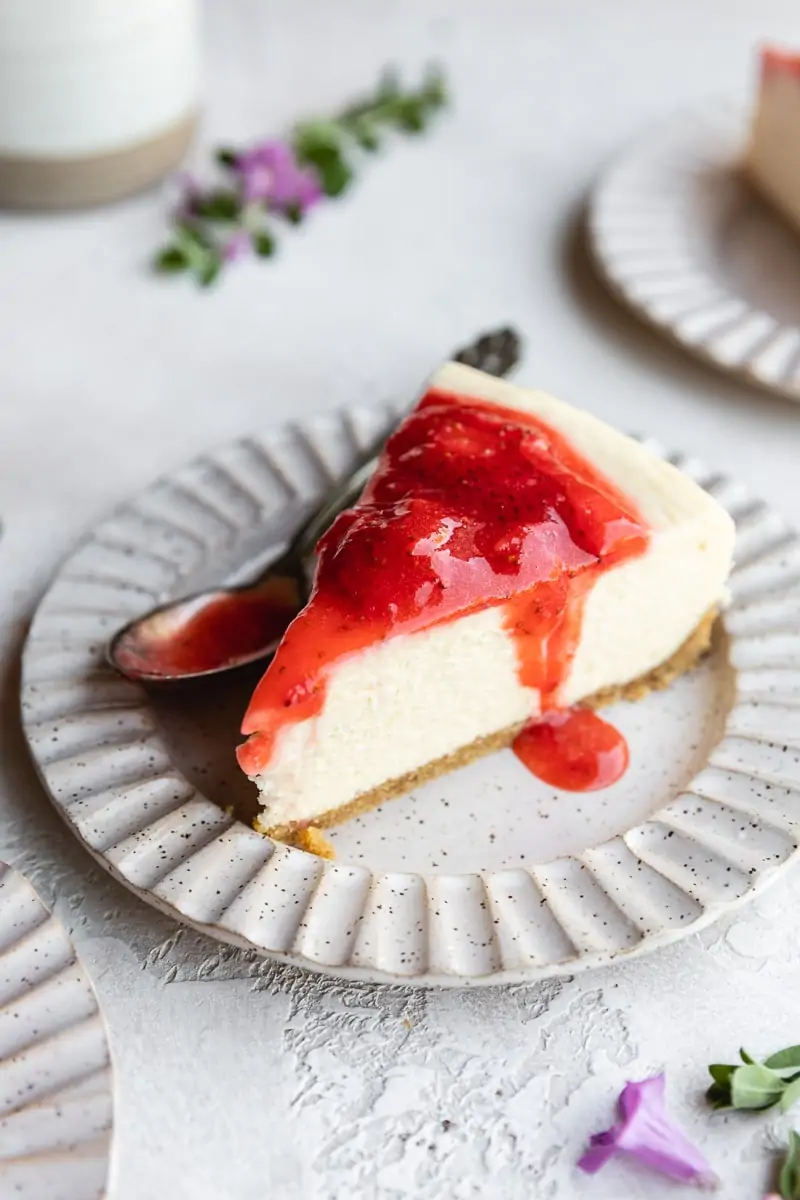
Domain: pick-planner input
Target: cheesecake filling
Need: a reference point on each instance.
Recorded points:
(474, 509)
(772, 159)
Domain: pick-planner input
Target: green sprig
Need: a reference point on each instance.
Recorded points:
(210, 218)
(192, 250)
(390, 106)
(327, 145)
(789, 1178)
(756, 1085)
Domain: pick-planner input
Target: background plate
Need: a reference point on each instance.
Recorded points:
(484, 876)
(682, 238)
(55, 1073)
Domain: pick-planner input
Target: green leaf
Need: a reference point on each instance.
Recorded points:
(434, 89)
(790, 1057)
(791, 1094)
(334, 173)
(191, 238)
(719, 1096)
(364, 133)
(755, 1086)
(746, 1058)
(314, 138)
(335, 177)
(789, 1180)
(170, 261)
(226, 157)
(263, 244)
(721, 1073)
(319, 144)
(389, 86)
(410, 115)
(207, 271)
(293, 213)
(221, 204)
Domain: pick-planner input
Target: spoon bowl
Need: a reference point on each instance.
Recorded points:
(224, 628)
(203, 634)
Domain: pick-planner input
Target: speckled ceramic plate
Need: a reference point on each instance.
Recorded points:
(484, 876)
(683, 239)
(55, 1073)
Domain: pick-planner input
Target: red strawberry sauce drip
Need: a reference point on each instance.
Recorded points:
(573, 749)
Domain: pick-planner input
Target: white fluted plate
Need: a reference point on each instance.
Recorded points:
(683, 239)
(55, 1072)
(485, 876)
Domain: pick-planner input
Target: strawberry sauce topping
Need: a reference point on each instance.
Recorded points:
(472, 505)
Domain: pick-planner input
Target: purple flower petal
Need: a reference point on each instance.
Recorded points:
(275, 154)
(602, 1147)
(647, 1132)
(258, 181)
(237, 245)
(270, 173)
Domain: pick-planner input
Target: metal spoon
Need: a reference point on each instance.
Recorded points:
(176, 641)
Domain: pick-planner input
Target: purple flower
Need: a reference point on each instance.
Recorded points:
(270, 173)
(646, 1131)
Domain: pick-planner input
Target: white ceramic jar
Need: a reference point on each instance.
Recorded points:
(98, 98)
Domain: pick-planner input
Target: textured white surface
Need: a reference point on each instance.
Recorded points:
(223, 1064)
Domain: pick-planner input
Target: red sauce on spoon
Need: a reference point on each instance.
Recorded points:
(230, 628)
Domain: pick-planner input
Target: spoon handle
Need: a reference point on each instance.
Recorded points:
(345, 495)
(495, 353)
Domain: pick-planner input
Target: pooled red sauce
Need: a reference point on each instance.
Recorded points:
(573, 749)
(229, 629)
(472, 505)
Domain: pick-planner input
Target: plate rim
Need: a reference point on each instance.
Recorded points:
(352, 887)
(20, 893)
(724, 117)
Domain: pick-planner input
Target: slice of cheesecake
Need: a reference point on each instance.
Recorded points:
(773, 155)
(511, 556)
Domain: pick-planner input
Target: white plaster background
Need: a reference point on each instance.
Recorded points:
(238, 1080)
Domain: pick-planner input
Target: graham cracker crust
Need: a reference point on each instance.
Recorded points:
(306, 837)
